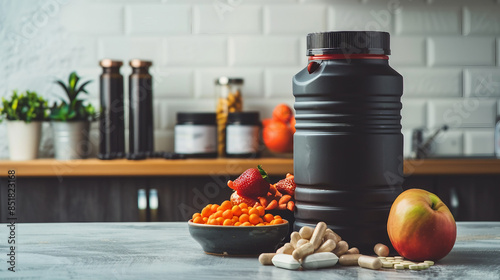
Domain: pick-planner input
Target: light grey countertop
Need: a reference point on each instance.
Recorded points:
(167, 251)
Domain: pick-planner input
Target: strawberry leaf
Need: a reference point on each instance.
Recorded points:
(263, 173)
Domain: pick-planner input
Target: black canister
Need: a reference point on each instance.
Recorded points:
(196, 135)
(242, 135)
(141, 133)
(348, 146)
(111, 119)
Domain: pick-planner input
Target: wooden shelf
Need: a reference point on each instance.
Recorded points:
(194, 167)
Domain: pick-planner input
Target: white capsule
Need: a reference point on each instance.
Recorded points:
(430, 263)
(387, 265)
(399, 266)
(423, 265)
(414, 267)
(320, 260)
(285, 261)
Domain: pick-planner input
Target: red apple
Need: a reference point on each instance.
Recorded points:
(420, 226)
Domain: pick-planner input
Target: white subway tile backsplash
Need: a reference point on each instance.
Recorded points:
(87, 51)
(448, 143)
(440, 82)
(244, 19)
(482, 20)
(263, 51)
(462, 112)
(157, 111)
(158, 19)
(436, 46)
(470, 51)
(89, 73)
(294, 19)
(407, 145)
(414, 113)
(195, 51)
(173, 106)
(366, 17)
(164, 140)
(427, 20)
(252, 87)
(479, 142)
(279, 81)
(482, 82)
(408, 51)
(127, 48)
(266, 108)
(92, 19)
(173, 82)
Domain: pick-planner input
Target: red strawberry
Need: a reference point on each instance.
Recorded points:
(286, 185)
(237, 199)
(252, 183)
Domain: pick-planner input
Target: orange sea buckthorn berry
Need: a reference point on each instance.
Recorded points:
(228, 222)
(218, 213)
(254, 219)
(220, 220)
(261, 210)
(236, 210)
(198, 220)
(244, 218)
(206, 212)
(246, 224)
(243, 205)
(196, 215)
(236, 219)
(237, 224)
(213, 222)
(277, 217)
(226, 205)
(205, 220)
(278, 221)
(228, 214)
(214, 207)
(260, 224)
(268, 218)
(253, 211)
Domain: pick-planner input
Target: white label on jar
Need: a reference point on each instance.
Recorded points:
(194, 139)
(242, 139)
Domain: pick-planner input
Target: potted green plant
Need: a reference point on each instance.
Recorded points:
(24, 114)
(70, 120)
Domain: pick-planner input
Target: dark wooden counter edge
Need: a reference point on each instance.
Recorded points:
(195, 167)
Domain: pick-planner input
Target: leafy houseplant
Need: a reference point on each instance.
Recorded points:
(73, 109)
(24, 114)
(71, 121)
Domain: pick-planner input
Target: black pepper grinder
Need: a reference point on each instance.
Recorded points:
(111, 120)
(141, 134)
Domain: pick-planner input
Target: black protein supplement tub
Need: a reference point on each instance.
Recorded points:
(348, 146)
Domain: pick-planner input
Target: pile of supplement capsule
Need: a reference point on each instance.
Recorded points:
(321, 247)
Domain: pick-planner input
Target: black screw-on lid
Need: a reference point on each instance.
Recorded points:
(196, 118)
(348, 42)
(243, 117)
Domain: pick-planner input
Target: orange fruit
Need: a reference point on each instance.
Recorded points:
(282, 113)
(278, 137)
(292, 124)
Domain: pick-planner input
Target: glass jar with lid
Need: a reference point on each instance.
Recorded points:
(229, 100)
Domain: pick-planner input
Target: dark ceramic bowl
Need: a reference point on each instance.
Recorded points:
(238, 240)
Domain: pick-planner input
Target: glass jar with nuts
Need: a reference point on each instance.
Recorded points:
(229, 100)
